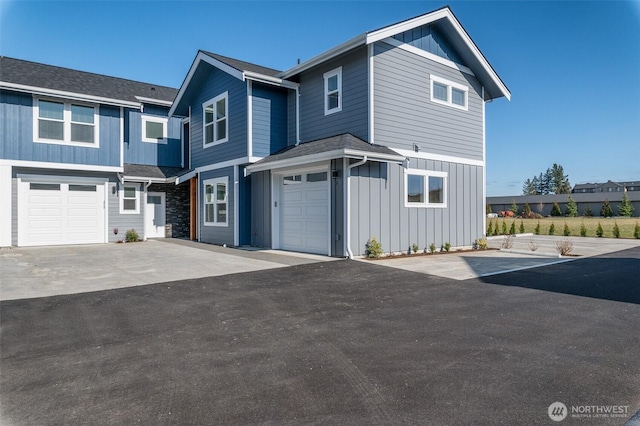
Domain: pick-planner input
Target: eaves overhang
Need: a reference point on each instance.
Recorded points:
(41, 91)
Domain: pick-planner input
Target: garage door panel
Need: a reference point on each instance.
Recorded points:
(316, 195)
(291, 196)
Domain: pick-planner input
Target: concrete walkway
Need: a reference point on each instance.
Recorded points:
(472, 264)
(28, 272)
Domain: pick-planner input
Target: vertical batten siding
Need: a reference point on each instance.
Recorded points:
(167, 153)
(404, 113)
(354, 115)
(214, 83)
(123, 222)
(337, 209)
(377, 208)
(218, 234)
(292, 136)
(14, 212)
(16, 136)
(269, 120)
(261, 209)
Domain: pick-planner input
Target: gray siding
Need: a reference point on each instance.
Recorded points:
(123, 222)
(354, 115)
(215, 83)
(217, 234)
(377, 208)
(292, 136)
(404, 113)
(338, 247)
(269, 124)
(261, 209)
(14, 212)
(16, 136)
(167, 153)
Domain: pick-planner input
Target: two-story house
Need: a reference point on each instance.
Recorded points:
(85, 157)
(382, 136)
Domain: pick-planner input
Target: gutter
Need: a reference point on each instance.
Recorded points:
(348, 207)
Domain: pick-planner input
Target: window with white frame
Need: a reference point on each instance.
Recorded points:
(449, 93)
(154, 129)
(130, 199)
(65, 123)
(333, 91)
(216, 120)
(216, 202)
(425, 188)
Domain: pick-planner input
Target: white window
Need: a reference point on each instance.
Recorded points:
(333, 91)
(448, 93)
(65, 123)
(424, 188)
(216, 202)
(130, 198)
(154, 129)
(216, 120)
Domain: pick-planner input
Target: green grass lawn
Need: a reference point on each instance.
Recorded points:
(625, 224)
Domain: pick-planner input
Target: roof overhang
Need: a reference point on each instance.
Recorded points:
(325, 156)
(144, 179)
(67, 95)
(151, 101)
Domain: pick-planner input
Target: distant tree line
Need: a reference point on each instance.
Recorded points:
(552, 181)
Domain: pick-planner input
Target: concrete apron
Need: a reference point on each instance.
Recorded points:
(29, 272)
(473, 264)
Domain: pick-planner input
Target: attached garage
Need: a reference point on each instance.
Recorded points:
(304, 212)
(60, 212)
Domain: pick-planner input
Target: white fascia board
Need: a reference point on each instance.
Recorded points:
(324, 156)
(249, 75)
(202, 57)
(151, 101)
(67, 95)
(360, 40)
(438, 157)
(147, 179)
(216, 166)
(61, 166)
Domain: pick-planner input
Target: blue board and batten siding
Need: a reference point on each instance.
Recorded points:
(165, 153)
(378, 208)
(17, 141)
(405, 115)
(218, 234)
(354, 117)
(269, 119)
(214, 83)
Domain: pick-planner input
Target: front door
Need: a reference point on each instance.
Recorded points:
(155, 216)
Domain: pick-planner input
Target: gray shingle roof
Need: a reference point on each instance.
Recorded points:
(152, 172)
(334, 143)
(242, 65)
(34, 74)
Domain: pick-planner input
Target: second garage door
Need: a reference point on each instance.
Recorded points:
(304, 213)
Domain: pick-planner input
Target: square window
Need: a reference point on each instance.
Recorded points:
(449, 93)
(154, 129)
(65, 123)
(425, 188)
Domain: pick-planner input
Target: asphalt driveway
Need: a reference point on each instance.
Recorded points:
(341, 342)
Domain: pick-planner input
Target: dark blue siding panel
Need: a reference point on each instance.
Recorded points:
(213, 84)
(161, 154)
(269, 120)
(16, 136)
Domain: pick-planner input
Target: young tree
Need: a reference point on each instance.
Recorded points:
(521, 228)
(587, 212)
(636, 231)
(514, 207)
(599, 231)
(572, 208)
(625, 208)
(559, 181)
(583, 230)
(512, 228)
(537, 230)
(566, 231)
(552, 229)
(606, 210)
(616, 230)
(526, 210)
(556, 211)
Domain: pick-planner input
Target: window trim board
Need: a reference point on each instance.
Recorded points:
(214, 182)
(426, 174)
(67, 122)
(450, 85)
(212, 102)
(154, 119)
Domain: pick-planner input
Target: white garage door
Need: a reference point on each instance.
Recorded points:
(304, 213)
(60, 213)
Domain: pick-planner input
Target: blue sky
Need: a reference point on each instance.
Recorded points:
(573, 67)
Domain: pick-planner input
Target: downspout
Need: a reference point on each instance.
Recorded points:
(348, 221)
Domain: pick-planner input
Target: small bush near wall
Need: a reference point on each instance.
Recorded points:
(373, 248)
(132, 236)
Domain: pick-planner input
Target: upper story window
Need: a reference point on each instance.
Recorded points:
(425, 188)
(333, 91)
(215, 202)
(448, 93)
(216, 120)
(65, 123)
(154, 129)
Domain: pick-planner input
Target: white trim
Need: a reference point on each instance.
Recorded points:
(297, 115)
(426, 174)
(148, 226)
(5, 205)
(143, 179)
(484, 169)
(450, 85)
(121, 136)
(371, 66)
(40, 91)
(428, 55)
(214, 182)
(438, 157)
(62, 166)
(250, 75)
(336, 72)
(122, 198)
(275, 212)
(216, 166)
(249, 118)
(346, 199)
(324, 156)
(67, 123)
(212, 102)
(154, 119)
(28, 177)
(151, 101)
(236, 219)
